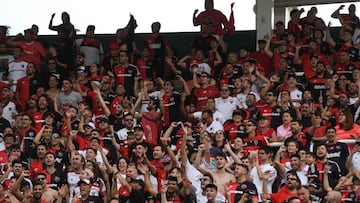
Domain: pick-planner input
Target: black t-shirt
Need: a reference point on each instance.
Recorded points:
(136, 196)
(241, 188)
(4, 124)
(92, 199)
(58, 178)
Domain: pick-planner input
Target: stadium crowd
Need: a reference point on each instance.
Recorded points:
(136, 124)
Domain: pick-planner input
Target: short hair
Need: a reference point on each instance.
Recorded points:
(172, 178)
(244, 166)
(16, 161)
(294, 173)
(51, 153)
(272, 91)
(15, 146)
(295, 155)
(254, 122)
(297, 121)
(19, 47)
(210, 177)
(291, 199)
(330, 127)
(221, 154)
(208, 111)
(211, 185)
(266, 149)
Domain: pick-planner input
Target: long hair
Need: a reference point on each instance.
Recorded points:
(349, 120)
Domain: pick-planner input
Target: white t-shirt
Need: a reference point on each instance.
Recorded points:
(242, 99)
(8, 110)
(214, 126)
(72, 179)
(258, 182)
(217, 116)
(99, 159)
(17, 70)
(92, 54)
(296, 97)
(355, 161)
(145, 103)
(302, 174)
(227, 106)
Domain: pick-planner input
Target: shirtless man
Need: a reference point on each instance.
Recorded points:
(48, 194)
(221, 177)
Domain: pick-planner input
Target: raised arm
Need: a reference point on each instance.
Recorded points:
(122, 180)
(336, 13)
(182, 63)
(168, 61)
(136, 106)
(328, 37)
(15, 189)
(267, 49)
(149, 187)
(195, 23)
(39, 135)
(101, 99)
(203, 170)
(232, 154)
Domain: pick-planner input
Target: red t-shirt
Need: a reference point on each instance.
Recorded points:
(36, 167)
(200, 95)
(33, 52)
(282, 195)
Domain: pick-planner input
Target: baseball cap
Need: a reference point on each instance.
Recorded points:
(46, 114)
(90, 125)
(85, 180)
(81, 69)
(194, 62)
(138, 126)
(261, 41)
(30, 31)
(89, 172)
(104, 119)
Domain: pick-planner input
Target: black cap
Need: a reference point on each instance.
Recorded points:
(104, 119)
(86, 181)
(138, 126)
(261, 41)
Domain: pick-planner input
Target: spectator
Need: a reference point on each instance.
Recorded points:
(286, 192)
(91, 47)
(5, 58)
(67, 27)
(16, 69)
(67, 96)
(316, 181)
(125, 73)
(349, 20)
(226, 104)
(159, 47)
(262, 172)
(33, 50)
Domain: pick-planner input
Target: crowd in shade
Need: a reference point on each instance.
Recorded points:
(137, 123)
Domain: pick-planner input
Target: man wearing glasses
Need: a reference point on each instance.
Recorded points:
(271, 109)
(48, 194)
(285, 192)
(226, 104)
